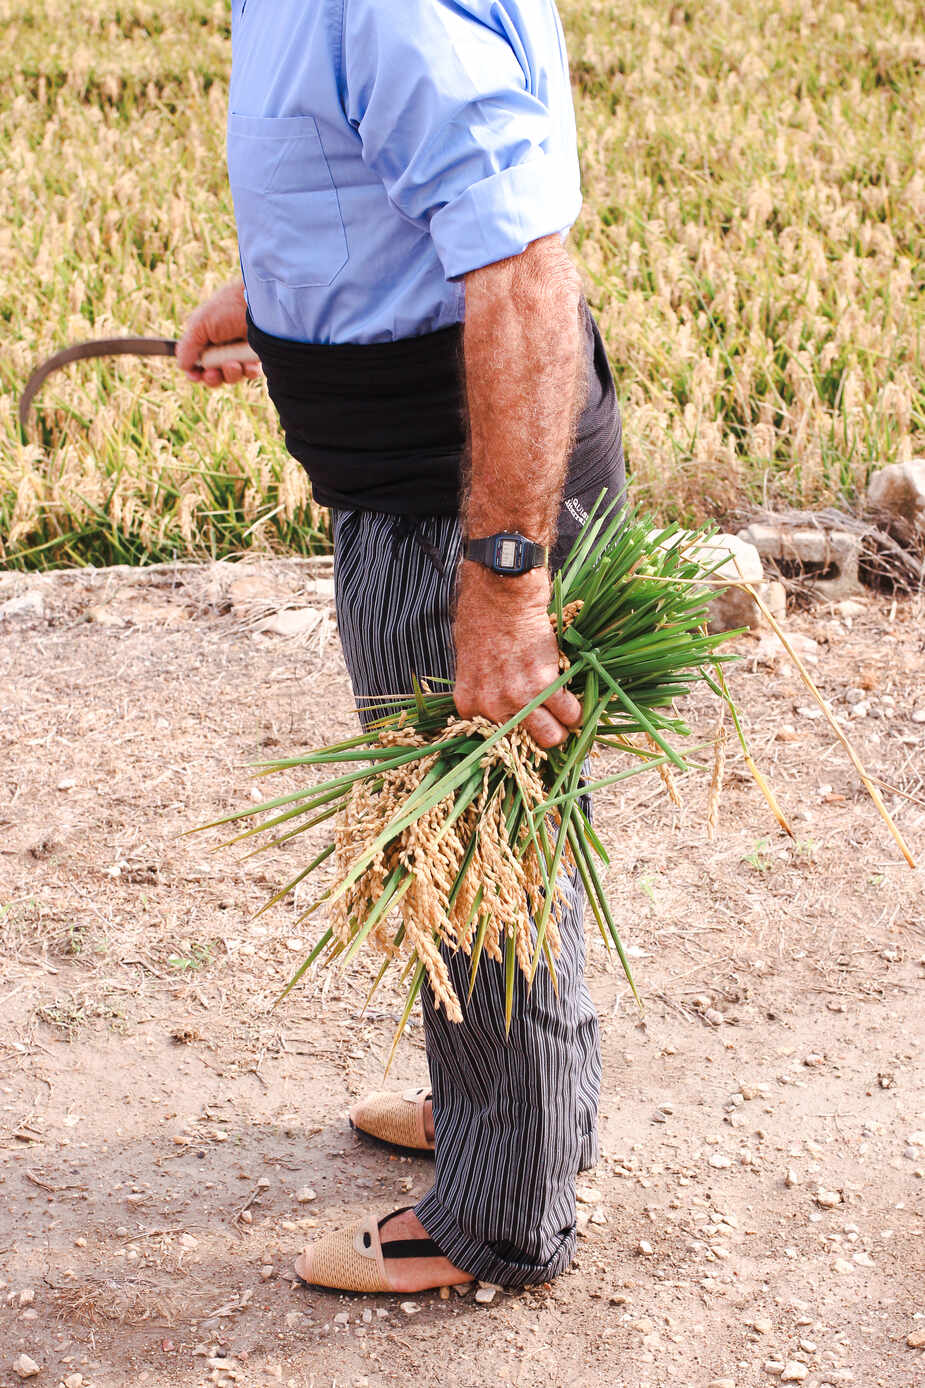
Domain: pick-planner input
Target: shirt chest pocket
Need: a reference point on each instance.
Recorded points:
(290, 229)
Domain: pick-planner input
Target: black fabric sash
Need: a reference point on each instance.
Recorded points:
(382, 426)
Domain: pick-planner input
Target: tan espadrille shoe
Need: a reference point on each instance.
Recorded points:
(349, 1260)
(397, 1119)
(353, 1259)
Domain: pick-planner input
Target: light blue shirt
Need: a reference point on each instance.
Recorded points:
(378, 150)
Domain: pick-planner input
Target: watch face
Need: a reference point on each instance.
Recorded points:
(507, 554)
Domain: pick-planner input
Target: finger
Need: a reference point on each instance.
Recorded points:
(188, 349)
(212, 376)
(232, 371)
(252, 369)
(545, 729)
(564, 706)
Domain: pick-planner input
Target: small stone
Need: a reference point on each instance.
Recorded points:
(74, 1381)
(916, 1139)
(306, 1195)
(263, 1183)
(720, 1161)
(266, 1272)
(722, 1383)
(410, 1308)
(842, 1265)
(761, 1325)
(773, 1366)
(645, 1248)
(188, 1241)
(444, 1296)
(828, 1199)
(26, 1297)
(67, 784)
(486, 1295)
(31, 604)
(714, 1016)
(814, 1060)
(792, 1178)
(343, 1317)
(919, 715)
(26, 1367)
(863, 1260)
(808, 1346)
(916, 1340)
(598, 1216)
(246, 1217)
(794, 1372)
(588, 1195)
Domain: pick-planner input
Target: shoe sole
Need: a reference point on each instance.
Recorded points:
(427, 1153)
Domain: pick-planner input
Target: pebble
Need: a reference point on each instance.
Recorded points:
(863, 1260)
(410, 1308)
(644, 1247)
(74, 1381)
(266, 1272)
(916, 1139)
(343, 1317)
(828, 1199)
(794, 1372)
(774, 1366)
(761, 1325)
(720, 1161)
(486, 1295)
(792, 1178)
(26, 1367)
(916, 1340)
(919, 715)
(842, 1265)
(588, 1195)
(714, 1016)
(188, 1241)
(26, 1296)
(722, 1383)
(306, 1195)
(31, 604)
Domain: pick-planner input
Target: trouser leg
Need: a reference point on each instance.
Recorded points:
(514, 1117)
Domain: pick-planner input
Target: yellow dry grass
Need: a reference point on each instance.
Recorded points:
(751, 239)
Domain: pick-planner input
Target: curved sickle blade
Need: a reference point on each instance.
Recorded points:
(81, 351)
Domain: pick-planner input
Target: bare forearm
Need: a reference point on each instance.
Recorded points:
(523, 356)
(523, 352)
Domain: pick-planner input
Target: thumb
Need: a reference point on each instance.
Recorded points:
(190, 348)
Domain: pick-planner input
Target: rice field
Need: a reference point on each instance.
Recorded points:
(751, 240)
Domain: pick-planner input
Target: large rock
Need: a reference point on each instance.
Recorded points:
(826, 561)
(738, 562)
(900, 491)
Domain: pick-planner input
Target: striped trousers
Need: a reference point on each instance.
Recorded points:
(515, 1117)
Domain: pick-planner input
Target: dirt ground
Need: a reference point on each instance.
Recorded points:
(168, 1139)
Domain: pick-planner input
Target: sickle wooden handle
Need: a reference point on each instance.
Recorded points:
(228, 351)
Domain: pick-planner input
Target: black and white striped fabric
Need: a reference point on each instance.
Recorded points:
(515, 1117)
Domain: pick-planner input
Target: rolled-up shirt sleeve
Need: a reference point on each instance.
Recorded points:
(464, 112)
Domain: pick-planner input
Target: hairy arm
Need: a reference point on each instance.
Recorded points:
(523, 359)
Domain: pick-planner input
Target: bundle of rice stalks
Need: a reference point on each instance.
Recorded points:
(455, 833)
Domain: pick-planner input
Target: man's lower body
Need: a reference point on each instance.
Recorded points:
(514, 1116)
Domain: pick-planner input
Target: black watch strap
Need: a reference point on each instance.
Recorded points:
(508, 553)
